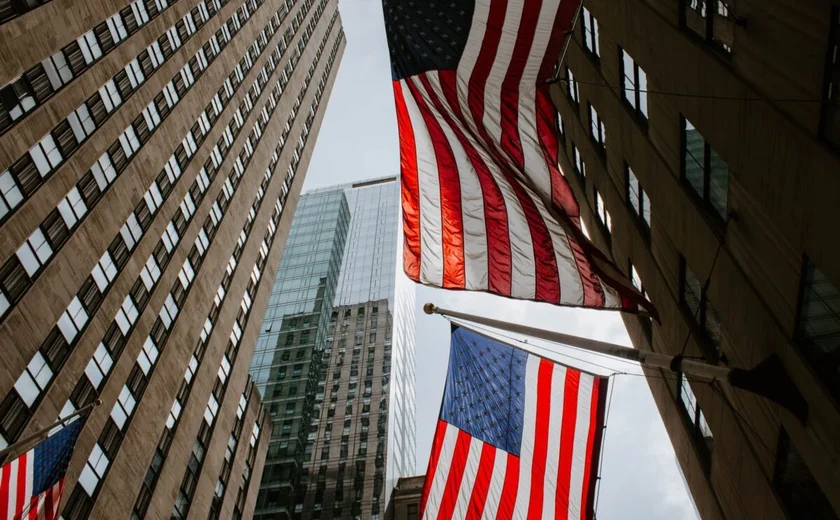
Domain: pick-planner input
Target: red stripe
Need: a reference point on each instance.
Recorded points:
(593, 294)
(22, 499)
(456, 474)
(5, 481)
(567, 444)
(561, 191)
(495, 212)
(535, 504)
(33, 505)
(594, 425)
(437, 444)
(511, 143)
(511, 485)
(410, 187)
(483, 476)
(452, 234)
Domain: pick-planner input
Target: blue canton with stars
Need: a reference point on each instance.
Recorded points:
(53, 456)
(426, 35)
(485, 390)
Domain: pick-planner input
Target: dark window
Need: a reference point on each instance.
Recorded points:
(694, 299)
(647, 325)
(830, 120)
(578, 164)
(597, 130)
(704, 170)
(818, 325)
(638, 200)
(696, 420)
(603, 214)
(802, 496)
(634, 85)
(590, 33)
(712, 20)
(572, 88)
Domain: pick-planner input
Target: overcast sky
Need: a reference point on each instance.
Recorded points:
(358, 140)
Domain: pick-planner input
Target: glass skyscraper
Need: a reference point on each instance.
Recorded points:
(288, 360)
(360, 436)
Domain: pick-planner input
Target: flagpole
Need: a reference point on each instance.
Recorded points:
(43, 432)
(651, 359)
(768, 379)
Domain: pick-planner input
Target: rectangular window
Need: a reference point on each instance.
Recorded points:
(58, 72)
(110, 95)
(89, 46)
(638, 200)
(10, 194)
(796, 486)
(830, 117)
(34, 253)
(596, 129)
(603, 215)
(46, 155)
(72, 320)
(94, 470)
(577, 161)
(590, 33)
(699, 428)
(712, 20)
(572, 86)
(34, 379)
(72, 208)
(634, 85)
(704, 170)
(818, 325)
(694, 299)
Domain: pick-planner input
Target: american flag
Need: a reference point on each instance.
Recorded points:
(32, 484)
(518, 436)
(485, 205)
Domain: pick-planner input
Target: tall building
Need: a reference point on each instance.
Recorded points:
(129, 272)
(359, 435)
(289, 358)
(701, 138)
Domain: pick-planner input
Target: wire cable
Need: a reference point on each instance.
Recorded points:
(561, 79)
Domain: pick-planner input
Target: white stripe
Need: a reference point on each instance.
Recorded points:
(470, 55)
(536, 167)
(468, 479)
(523, 279)
(497, 482)
(13, 482)
(472, 204)
(529, 424)
(501, 62)
(441, 473)
(555, 429)
(431, 245)
(581, 437)
(30, 473)
(30, 477)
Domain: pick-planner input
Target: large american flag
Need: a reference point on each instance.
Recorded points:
(485, 206)
(31, 485)
(518, 436)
